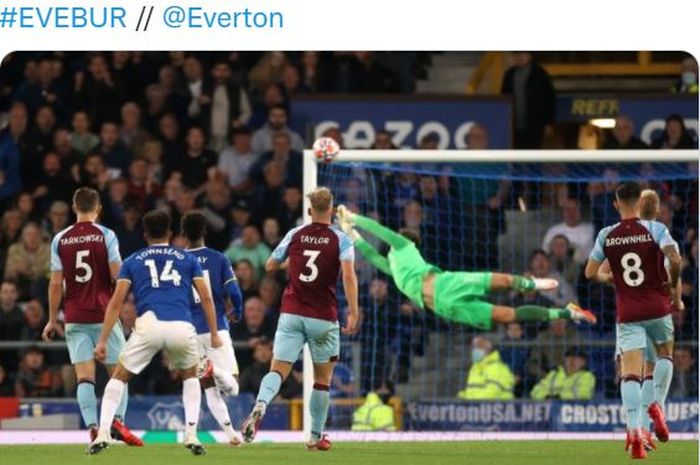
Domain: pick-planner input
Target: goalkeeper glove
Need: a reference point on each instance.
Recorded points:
(354, 235)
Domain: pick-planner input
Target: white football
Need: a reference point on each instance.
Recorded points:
(325, 149)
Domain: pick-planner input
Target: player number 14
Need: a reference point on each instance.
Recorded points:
(168, 273)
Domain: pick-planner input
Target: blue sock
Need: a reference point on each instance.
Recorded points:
(269, 387)
(647, 398)
(319, 410)
(663, 372)
(631, 390)
(87, 401)
(121, 409)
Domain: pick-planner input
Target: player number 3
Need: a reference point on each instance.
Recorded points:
(632, 272)
(311, 265)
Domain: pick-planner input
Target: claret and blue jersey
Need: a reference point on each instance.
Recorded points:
(222, 283)
(161, 277)
(634, 249)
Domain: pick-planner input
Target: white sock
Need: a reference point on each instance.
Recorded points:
(219, 411)
(110, 402)
(191, 399)
(226, 382)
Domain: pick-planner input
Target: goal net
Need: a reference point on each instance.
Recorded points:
(531, 213)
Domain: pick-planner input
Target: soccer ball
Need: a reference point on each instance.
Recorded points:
(325, 149)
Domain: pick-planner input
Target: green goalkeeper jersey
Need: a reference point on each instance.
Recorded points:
(405, 265)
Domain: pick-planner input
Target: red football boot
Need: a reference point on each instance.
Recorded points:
(648, 439)
(638, 451)
(657, 416)
(322, 444)
(121, 433)
(93, 433)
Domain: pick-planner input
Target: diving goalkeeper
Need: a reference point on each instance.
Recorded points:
(451, 295)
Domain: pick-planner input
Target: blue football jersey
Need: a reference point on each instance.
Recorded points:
(161, 280)
(217, 274)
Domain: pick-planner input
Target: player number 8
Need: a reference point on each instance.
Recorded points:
(632, 272)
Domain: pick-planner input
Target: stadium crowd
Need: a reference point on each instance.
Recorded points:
(211, 131)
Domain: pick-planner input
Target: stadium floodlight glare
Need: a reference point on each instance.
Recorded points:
(603, 123)
(584, 166)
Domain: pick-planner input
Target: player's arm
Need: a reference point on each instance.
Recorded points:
(373, 227)
(55, 292)
(111, 316)
(350, 285)
(596, 259)
(674, 273)
(371, 254)
(278, 258)
(113, 256)
(55, 295)
(236, 296)
(208, 307)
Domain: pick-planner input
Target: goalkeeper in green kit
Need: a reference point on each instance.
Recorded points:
(452, 295)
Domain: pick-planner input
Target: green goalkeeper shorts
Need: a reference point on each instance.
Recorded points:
(457, 298)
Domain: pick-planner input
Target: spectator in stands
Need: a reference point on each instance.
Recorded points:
(28, 260)
(97, 92)
(81, 139)
(27, 208)
(272, 95)
(195, 164)
(246, 278)
(11, 228)
(236, 160)
(127, 316)
(250, 248)
(52, 183)
(241, 216)
(11, 322)
(45, 90)
(477, 138)
(516, 356)
(561, 260)
(7, 383)
(58, 218)
(489, 378)
(116, 154)
(272, 235)
(17, 131)
(291, 80)
(688, 80)
(290, 162)
(270, 295)
(35, 320)
(375, 414)
(193, 87)
(684, 384)
(153, 154)
(539, 267)
(315, 75)
(254, 327)
(383, 141)
(267, 197)
(34, 378)
(132, 133)
(224, 105)
(268, 70)
(568, 382)
(292, 213)
(44, 126)
(253, 373)
(534, 100)
(359, 72)
(579, 232)
(623, 136)
(129, 230)
(216, 208)
(277, 119)
(675, 135)
(141, 184)
(343, 384)
(69, 157)
(10, 180)
(551, 345)
(94, 173)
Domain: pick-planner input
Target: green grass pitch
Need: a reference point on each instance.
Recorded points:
(361, 453)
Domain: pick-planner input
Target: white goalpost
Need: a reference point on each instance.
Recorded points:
(310, 167)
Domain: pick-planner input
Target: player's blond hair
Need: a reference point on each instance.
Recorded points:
(649, 203)
(321, 199)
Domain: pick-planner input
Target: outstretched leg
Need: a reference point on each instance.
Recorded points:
(536, 313)
(501, 282)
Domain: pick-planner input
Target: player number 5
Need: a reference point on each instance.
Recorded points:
(311, 265)
(632, 272)
(81, 265)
